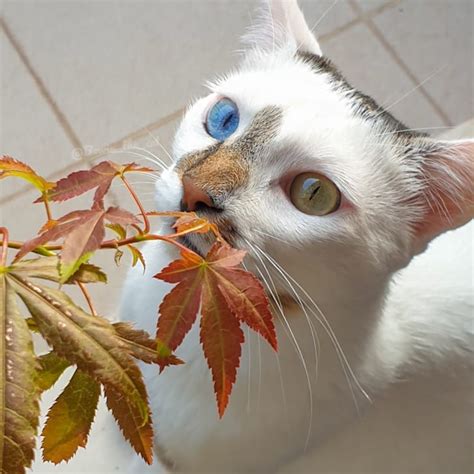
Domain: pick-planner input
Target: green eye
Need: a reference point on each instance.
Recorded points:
(314, 194)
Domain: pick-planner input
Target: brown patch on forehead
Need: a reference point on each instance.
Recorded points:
(222, 168)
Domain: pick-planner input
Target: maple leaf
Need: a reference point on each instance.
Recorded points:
(102, 353)
(119, 230)
(70, 418)
(141, 346)
(118, 257)
(19, 408)
(221, 338)
(137, 256)
(46, 268)
(93, 344)
(227, 296)
(99, 177)
(88, 273)
(12, 167)
(179, 307)
(191, 223)
(83, 232)
(51, 368)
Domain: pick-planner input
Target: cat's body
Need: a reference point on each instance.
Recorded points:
(417, 370)
(373, 371)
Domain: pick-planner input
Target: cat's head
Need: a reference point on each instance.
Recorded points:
(289, 159)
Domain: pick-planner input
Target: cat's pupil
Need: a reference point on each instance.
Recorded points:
(227, 120)
(315, 191)
(314, 194)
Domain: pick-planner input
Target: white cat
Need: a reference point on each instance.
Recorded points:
(332, 197)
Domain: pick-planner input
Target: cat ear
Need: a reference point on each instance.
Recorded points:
(281, 22)
(447, 192)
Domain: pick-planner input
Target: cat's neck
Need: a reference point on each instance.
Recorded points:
(339, 318)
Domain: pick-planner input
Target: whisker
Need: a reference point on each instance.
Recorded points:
(325, 324)
(421, 129)
(321, 18)
(139, 155)
(248, 334)
(404, 96)
(259, 385)
(160, 145)
(274, 293)
(314, 334)
(274, 237)
(156, 157)
(297, 348)
(249, 368)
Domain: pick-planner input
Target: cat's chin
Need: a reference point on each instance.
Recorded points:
(199, 248)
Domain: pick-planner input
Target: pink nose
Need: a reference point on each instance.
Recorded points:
(193, 195)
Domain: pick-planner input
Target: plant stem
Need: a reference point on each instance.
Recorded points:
(110, 244)
(135, 197)
(46, 206)
(3, 256)
(87, 297)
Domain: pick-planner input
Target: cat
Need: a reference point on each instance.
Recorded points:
(345, 214)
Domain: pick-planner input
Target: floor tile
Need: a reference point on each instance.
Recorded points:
(369, 67)
(122, 65)
(29, 131)
(324, 16)
(463, 130)
(435, 38)
(368, 5)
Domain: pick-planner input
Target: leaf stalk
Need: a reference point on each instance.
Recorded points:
(5, 245)
(146, 221)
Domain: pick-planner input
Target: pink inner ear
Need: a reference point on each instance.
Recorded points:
(449, 193)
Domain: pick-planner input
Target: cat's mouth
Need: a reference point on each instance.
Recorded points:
(187, 242)
(201, 243)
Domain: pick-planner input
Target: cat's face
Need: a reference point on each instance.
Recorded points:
(288, 159)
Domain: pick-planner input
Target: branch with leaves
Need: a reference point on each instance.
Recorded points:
(105, 355)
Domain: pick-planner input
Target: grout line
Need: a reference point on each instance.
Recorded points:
(88, 159)
(41, 86)
(369, 14)
(140, 133)
(363, 17)
(368, 21)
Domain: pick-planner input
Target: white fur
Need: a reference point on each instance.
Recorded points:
(377, 376)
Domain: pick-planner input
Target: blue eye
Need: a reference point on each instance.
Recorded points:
(222, 119)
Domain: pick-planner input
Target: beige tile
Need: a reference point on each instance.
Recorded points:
(324, 16)
(369, 67)
(24, 219)
(29, 131)
(435, 38)
(463, 130)
(368, 5)
(119, 66)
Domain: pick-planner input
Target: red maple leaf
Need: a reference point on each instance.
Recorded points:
(99, 177)
(227, 296)
(82, 231)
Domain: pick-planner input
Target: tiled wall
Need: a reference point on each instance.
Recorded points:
(81, 79)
